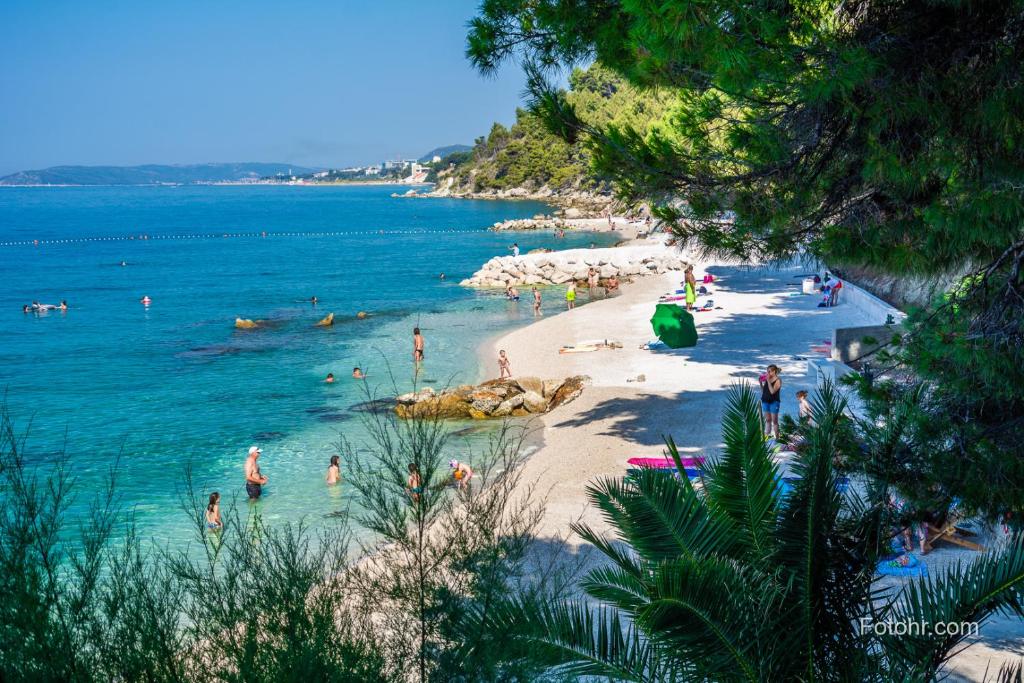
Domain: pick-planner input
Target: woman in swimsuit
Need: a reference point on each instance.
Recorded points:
(213, 522)
(333, 471)
(771, 400)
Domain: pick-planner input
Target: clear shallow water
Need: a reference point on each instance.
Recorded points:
(174, 384)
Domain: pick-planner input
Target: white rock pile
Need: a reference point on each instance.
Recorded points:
(559, 267)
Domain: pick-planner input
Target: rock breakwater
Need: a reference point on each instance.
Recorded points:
(496, 398)
(557, 268)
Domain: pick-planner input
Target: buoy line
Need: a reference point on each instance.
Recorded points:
(229, 235)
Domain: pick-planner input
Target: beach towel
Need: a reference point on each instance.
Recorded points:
(691, 472)
(664, 462)
(904, 565)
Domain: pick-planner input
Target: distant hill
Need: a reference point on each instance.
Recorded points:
(443, 152)
(150, 174)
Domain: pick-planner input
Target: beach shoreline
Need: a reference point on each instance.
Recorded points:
(762, 320)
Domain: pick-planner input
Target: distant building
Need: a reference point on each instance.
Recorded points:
(436, 159)
(321, 174)
(372, 170)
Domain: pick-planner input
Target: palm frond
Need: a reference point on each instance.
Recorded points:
(965, 596)
(662, 518)
(743, 485)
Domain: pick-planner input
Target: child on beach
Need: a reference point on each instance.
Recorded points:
(334, 471)
(213, 522)
(806, 411)
(570, 295)
(504, 367)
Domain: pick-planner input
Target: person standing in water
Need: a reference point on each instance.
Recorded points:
(334, 471)
(691, 288)
(461, 472)
(254, 480)
(417, 346)
(771, 400)
(213, 522)
(414, 485)
(570, 295)
(330, 378)
(536, 301)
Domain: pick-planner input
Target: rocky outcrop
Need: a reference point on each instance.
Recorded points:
(327, 321)
(495, 398)
(246, 324)
(557, 268)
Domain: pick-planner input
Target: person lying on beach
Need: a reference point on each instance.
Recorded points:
(357, 373)
(414, 485)
(213, 522)
(330, 378)
(334, 471)
(504, 366)
(461, 472)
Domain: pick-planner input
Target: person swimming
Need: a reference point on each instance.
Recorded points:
(313, 300)
(146, 300)
(357, 373)
(330, 378)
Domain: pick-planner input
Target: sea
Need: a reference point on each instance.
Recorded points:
(172, 387)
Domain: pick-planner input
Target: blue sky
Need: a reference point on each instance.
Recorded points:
(314, 83)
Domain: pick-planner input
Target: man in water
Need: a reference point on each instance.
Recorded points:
(536, 301)
(442, 276)
(417, 346)
(313, 300)
(515, 249)
(357, 373)
(254, 481)
(330, 378)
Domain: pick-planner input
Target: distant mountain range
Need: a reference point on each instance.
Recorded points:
(150, 174)
(443, 152)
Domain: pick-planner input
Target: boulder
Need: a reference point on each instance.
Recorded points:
(560, 278)
(326, 321)
(245, 324)
(485, 401)
(528, 384)
(534, 402)
(608, 271)
(570, 389)
(508, 405)
(414, 396)
(550, 387)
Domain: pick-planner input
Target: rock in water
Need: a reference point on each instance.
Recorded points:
(327, 321)
(495, 398)
(245, 324)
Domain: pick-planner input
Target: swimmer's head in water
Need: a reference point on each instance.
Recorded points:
(334, 460)
(415, 330)
(330, 375)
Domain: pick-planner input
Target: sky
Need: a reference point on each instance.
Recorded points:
(327, 83)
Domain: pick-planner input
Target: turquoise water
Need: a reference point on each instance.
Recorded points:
(174, 384)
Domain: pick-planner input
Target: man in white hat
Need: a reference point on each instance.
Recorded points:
(254, 481)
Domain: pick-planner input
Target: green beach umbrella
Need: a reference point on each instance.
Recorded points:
(674, 326)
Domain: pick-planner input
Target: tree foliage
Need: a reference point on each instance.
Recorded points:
(886, 135)
(740, 581)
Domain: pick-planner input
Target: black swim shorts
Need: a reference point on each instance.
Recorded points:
(254, 490)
